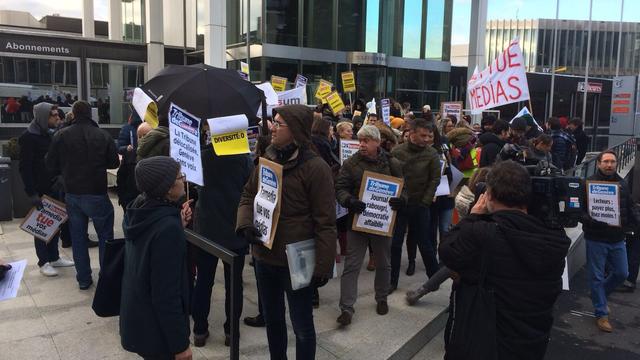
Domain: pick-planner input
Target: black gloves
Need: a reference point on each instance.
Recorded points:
(356, 205)
(319, 281)
(36, 201)
(397, 203)
(252, 235)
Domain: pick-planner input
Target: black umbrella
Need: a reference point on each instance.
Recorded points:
(204, 91)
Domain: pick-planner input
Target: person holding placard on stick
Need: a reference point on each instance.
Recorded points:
(611, 211)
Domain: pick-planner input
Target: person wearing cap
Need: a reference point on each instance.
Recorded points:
(34, 144)
(154, 316)
(370, 157)
(81, 153)
(307, 211)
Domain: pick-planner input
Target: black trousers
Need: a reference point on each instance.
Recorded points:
(633, 257)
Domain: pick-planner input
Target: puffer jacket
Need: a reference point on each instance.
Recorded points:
(421, 170)
(155, 143)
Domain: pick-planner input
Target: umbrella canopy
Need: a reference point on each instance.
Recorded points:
(204, 91)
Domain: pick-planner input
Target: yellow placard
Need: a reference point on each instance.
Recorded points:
(323, 90)
(233, 143)
(348, 81)
(335, 102)
(151, 115)
(278, 83)
(244, 67)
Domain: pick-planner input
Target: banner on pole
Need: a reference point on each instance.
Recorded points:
(296, 96)
(503, 82)
(184, 134)
(348, 81)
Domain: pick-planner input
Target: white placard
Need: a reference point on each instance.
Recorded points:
(301, 81)
(11, 283)
(296, 96)
(375, 191)
(443, 188)
(265, 205)
(603, 199)
(347, 149)
(228, 124)
(184, 133)
(341, 211)
(385, 109)
(45, 222)
(271, 96)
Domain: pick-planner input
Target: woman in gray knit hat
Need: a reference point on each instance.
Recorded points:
(154, 321)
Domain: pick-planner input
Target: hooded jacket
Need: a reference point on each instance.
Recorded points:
(82, 153)
(526, 261)
(491, 146)
(34, 144)
(307, 209)
(155, 143)
(154, 318)
(421, 170)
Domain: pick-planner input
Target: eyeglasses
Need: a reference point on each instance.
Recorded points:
(278, 125)
(182, 177)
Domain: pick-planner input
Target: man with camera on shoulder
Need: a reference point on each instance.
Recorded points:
(509, 273)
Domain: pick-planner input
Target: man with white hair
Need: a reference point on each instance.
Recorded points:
(373, 158)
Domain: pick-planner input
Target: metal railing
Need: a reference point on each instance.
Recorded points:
(625, 153)
(235, 263)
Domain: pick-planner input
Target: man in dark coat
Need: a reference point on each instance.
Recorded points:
(215, 219)
(127, 145)
(582, 140)
(525, 266)
(492, 142)
(564, 145)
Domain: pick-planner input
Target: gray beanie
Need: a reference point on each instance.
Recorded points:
(156, 175)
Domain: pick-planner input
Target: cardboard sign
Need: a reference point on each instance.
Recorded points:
(503, 82)
(146, 108)
(184, 135)
(335, 103)
(244, 70)
(385, 109)
(266, 205)
(301, 81)
(253, 132)
(603, 199)
(348, 81)
(323, 90)
(347, 149)
(45, 223)
(278, 83)
(451, 108)
(375, 191)
(229, 134)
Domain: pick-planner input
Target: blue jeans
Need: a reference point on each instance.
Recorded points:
(416, 217)
(441, 218)
(273, 283)
(613, 256)
(80, 208)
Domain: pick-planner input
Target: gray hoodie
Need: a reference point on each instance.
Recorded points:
(40, 123)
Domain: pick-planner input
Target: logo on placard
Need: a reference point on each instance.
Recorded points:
(268, 177)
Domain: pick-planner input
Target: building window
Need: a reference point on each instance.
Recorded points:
(351, 25)
(372, 25)
(282, 22)
(133, 20)
(434, 41)
(111, 90)
(318, 24)
(411, 29)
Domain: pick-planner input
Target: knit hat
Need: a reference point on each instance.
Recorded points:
(299, 119)
(156, 175)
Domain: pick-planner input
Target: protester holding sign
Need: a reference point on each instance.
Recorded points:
(306, 211)
(34, 144)
(421, 168)
(348, 187)
(606, 252)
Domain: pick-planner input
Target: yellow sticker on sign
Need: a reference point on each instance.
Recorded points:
(229, 135)
(323, 90)
(278, 83)
(335, 102)
(348, 81)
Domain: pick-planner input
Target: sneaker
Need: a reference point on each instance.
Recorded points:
(61, 262)
(382, 308)
(199, 340)
(411, 268)
(254, 321)
(344, 319)
(48, 270)
(603, 324)
(412, 297)
(85, 286)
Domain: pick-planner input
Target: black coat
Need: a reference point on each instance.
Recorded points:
(217, 205)
(525, 272)
(582, 143)
(35, 176)
(154, 318)
(82, 153)
(491, 146)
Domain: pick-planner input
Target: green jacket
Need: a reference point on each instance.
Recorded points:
(155, 143)
(350, 175)
(421, 169)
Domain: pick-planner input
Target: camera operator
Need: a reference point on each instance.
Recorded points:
(605, 244)
(524, 263)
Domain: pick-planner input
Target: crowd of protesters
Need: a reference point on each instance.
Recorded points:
(165, 280)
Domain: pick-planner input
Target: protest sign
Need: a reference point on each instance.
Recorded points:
(503, 82)
(385, 109)
(253, 132)
(347, 149)
(297, 96)
(323, 90)
(301, 81)
(10, 285)
(451, 108)
(266, 205)
(244, 70)
(279, 83)
(184, 133)
(45, 223)
(335, 103)
(375, 191)
(146, 108)
(271, 96)
(348, 81)
(603, 199)
(229, 134)
(443, 187)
